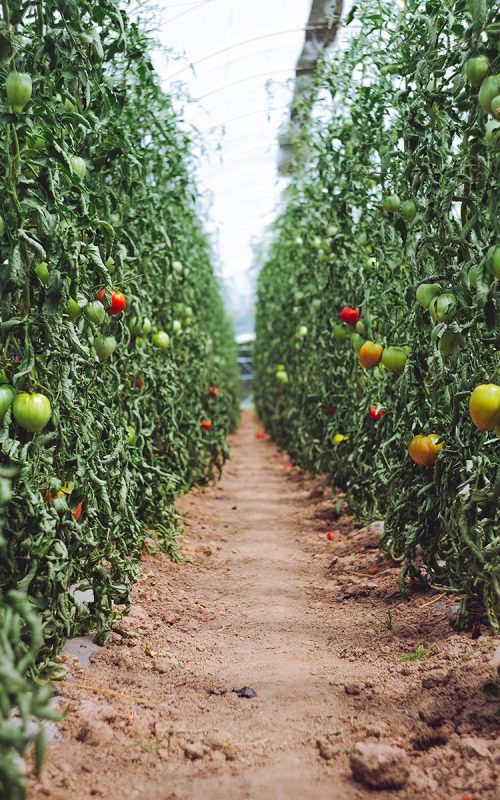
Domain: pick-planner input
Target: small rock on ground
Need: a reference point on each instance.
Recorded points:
(380, 766)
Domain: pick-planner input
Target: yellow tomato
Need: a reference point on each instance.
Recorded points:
(370, 354)
(484, 406)
(424, 450)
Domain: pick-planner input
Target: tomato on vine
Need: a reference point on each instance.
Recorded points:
(19, 90)
(32, 411)
(118, 302)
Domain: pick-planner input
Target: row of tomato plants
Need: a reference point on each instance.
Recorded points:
(378, 305)
(118, 381)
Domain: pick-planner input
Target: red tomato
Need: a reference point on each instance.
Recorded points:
(373, 571)
(288, 465)
(349, 315)
(260, 435)
(330, 536)
(375, 414)
(118, 302)
(138, 383)
(206, 424)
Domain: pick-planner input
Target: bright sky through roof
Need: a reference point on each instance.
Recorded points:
(243, 55)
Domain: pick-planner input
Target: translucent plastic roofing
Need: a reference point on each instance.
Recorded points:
(243, 56)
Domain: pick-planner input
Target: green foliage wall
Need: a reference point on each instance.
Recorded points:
(395, 115)
(125, 435)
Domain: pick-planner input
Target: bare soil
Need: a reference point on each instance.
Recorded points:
(265, 600)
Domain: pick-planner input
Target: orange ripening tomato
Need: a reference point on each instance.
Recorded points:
(206, 424)
(370, 354)
(78, 511)
(214, 391)
(424, 450)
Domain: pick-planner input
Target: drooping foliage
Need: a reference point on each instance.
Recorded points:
(95, 194)
(396, 187)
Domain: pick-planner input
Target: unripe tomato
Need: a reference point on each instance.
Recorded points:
(147, 326)
(484, 406)
(450, 341)
(206, 424)
(349, 315)
(177, 267)
(19, 90)
(135, 326)
(490, 87)
(426, 292)
(118, 302)
(282, 376)
(78, 166)
(408, 210)
(94, 312)
(360, 327)
(370, 354)
(494, 256)
(41, 270)
(391, 203)
(301, 331)
(32, 411)
(176, 326)
(340, 333)
(492, 133)
(104, 346)
(7, 395)
(443, 308)
(424, 450)
(495, 107)
(394, 359)
(357, 342)
(131, 436)
(472, 276)
(74, 309)
(476, 69)
(161, 339)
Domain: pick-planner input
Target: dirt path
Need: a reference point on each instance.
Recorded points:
(268, 602)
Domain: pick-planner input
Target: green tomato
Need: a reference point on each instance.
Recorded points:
(476, 70)
(74, 309)
(176, 326)
(282, 376)
(147, 326)
(135, 326)
(104, 346)
(188, 313)
(2, 227)
(78, 166)
(426, 292)
(472, 276)
(19, 90)
(391, 203)
(362, 239)
(32, 411)
(450, 341)
(360, 327)
(42, 272)
(357, 342)
(340, 333)
(394, 359)
(495, 107)
(408, 210)
(132, 436)
(491, 135)
(177, 267)
(302, 331)
(7, 395)
(494, 256)
(94, 312)
(490, 87)
(161, 339)
(316, 303)
(443, 308)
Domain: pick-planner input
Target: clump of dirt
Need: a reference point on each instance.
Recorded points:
(344, 668)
